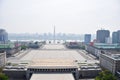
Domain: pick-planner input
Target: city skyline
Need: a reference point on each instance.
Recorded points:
(68, 16)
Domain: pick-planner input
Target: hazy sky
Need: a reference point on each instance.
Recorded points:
(69, 16)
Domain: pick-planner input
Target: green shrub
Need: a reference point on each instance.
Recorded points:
(3, 77)
(105, 75)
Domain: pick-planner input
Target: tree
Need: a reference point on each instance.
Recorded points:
(0, 69)
(3, 77)
(23, 47)
(105, 75)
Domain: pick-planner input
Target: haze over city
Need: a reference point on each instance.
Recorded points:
(69, 16)
(59, 39)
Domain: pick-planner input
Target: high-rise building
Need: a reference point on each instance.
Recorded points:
(118, 33)
(87, 38)
(102, 35)
(114, 37)
(3, 36)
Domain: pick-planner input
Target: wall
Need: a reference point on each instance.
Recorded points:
(88, 73)
(109, 63)
(15, 74)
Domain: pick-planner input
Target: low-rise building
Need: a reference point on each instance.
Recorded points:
(111, 62)
(98, 48)
(2, 59)
(9, 48)
(88, 70)
(74, 45)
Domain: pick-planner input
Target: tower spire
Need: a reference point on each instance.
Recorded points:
(54, 34)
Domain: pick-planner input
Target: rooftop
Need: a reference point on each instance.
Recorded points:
(107, 46)
(10, 45)
(113, 56)
(116, 56)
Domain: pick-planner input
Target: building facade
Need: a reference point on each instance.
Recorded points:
(3, 36)
(111, 62)
(118, 33)
(9, 48)
(2, 59)
(98, 48)
(114, 37)
(93, 50)
(102, 35)
(87, 38)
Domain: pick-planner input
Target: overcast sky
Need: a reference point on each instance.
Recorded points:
(69, 16)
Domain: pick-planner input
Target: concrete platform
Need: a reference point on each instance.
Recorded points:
(53, 54)
(52, 64)
(66, 76)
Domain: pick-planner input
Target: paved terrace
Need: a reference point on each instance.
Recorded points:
(52, 77)
(50, 51)
(53, 54)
